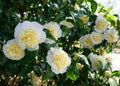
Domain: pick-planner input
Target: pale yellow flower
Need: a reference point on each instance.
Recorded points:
(58, 59)
(84, 18)
(96, 37)
(29, 35)
(13, 51)
(86, 42)
(94, 59)
(111, 35)
(101, 24)
(54, 30)
(67, 24)
(107, 57)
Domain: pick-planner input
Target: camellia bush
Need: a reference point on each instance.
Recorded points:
(57, 43)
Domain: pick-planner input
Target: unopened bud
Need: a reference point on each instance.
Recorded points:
(65, 2)
(79, 66)
(108, 74)
(84, 18)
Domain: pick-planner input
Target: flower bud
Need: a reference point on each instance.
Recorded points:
(108, 73)
(79, 66)
(84, 18)
(65, 2)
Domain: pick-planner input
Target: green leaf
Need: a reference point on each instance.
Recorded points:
(93, 5)
(3, 59)
(112, 82)
(116, 73)
(84, 58)
(38, 71)
(100, 67)
(79, 1)
(80, 23)
(72, 75)
(29, 56)
(49, 35)
(27, 68)
(65, 30)
(49, 73)
(86, 51)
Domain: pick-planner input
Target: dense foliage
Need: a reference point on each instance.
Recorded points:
(64, 29)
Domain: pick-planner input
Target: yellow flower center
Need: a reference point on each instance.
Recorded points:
(101, 24)
(84, 18)
(13, 50)
(96, 37)
(51, 30)
(28, 38)
(111, 37)
(60, 59)
(87, 41)
(95, 62)
(79, 66)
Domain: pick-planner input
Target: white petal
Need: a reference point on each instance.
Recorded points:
(34, 48)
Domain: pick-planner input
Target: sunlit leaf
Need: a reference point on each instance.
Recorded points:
(72, 75)
(112, 82)
(93, 5)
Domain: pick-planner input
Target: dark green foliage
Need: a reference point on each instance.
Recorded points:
(13, 12)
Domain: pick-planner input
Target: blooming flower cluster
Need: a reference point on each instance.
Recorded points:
(28, 35)
(68, 43)
(101, 32)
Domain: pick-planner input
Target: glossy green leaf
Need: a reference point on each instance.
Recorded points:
(49, 73)
(116, 73)
(29, 57)
(38, 71)
(27, 68)
(79, 1)
(112, 82)
(84, 58)
(80, 23)
(93, 6)
(100, 66)
(3, 59)
(72, 75)
(49, 35)
(65, 30)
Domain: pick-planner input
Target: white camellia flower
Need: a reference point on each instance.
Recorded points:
(101, 24)
(58, 59)
(86, 42)
(84, 18)
(67, 24)
(111, 35)
(94, 59)
(54, 30)
(29, 35)
(13, 51)
(96, 37)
